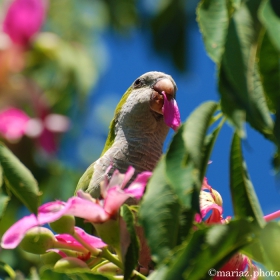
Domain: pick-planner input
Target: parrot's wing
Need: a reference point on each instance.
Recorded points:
(84, 181)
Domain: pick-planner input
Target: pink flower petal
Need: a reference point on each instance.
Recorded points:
(59, 252)
(236, 264)
(23, 19)
(116, 180)
(34, 128)
(67, 238)
(47, 213)
(85, 209)
(128, 175)
(116, 196)
(171, 113)
(137, 187)
(86, 196)
(57, 123)
(216, 216)
(114, 200)
(13, 123)
(47, 141)
(90, 239)
(198, 218)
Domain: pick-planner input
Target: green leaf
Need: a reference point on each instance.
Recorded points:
(187, 155)
(19, 179)
(84, 72)
(208, 248)
(1, 176)
(255, 251)
(236, 3)
(244, 198)
(180, 175)
(209, 144)
(270, 242)
(47, 273)
(187, 159)
(213, 20)
(230, 103)
(131, 252)
(266, 248)
(4, 199)
(239, 82)
(271, 21)
(170, 23)
(269, 65)
(159, 214)
(276, 131)
(194, 134)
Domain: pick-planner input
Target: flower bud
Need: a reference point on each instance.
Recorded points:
(37, 240)
(109, 232)
(109, 268)
(65, 224)
(50, 258)
(69, 262)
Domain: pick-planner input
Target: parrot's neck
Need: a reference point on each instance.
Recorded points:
(139, 144)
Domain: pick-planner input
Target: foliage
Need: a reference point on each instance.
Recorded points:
(242, 38)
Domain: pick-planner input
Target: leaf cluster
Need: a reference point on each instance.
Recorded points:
(242, 38)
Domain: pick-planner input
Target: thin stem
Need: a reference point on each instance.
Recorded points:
(272, 216)
(94, 262)
(8, 269)
(99, 265)
(94, 251)
(139, 275)
(106, 254)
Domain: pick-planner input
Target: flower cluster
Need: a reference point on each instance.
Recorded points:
(73, 245)
(14, 123)
(212, 213)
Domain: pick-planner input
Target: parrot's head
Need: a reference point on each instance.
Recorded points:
(147, 107)
(151, 97)
(155, 86)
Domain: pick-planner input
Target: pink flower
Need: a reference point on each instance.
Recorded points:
(210, 205)
(114, 194)
(90, 239)
(171, 112)
(13, 123)
(24, 18)
(237, 267)
(83, 206)
(211, 208)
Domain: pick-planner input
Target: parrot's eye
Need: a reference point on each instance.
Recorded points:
(138, 83)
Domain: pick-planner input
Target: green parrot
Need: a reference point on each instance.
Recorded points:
(138, 130)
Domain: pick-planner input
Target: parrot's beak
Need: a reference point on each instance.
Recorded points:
(157, 100)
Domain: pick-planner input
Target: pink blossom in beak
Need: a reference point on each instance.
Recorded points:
(171, 113)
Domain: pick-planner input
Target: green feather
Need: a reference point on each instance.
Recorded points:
(85, 179)
(111, 136)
